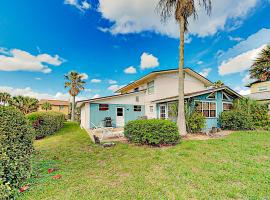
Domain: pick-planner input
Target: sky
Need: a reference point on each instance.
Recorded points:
(114, 42)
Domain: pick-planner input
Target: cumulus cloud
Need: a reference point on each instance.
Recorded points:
(148, 61)
(242, 91)
(19, 60)
(246, 80)
(28, 91)
(200, 62)
(87, 90)
(239, 63)
(37, 78)
(236, 39)
(142, 16)
(114, 88)
(84, 76)
(205, 72)
(95, 81)
(112, 81)
(130, 70)
(82, 6)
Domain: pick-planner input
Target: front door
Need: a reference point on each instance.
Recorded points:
(120, 120)
(162, 111)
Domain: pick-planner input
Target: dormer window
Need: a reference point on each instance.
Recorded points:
(151, 87)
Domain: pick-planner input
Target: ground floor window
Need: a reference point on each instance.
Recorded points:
(208, 109)
(137, 108)
(103, 107)
(151, 108)
(227, 106)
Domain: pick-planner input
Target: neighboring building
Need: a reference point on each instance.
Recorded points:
(59, 106)
(260, 91)
(153, 95)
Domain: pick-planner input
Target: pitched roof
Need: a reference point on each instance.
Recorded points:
(54, 102)
(154, 73)
(260, 96)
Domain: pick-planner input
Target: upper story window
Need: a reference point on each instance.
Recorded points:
(263, 88)
(103, 107)
(136, 89)
(151, 87)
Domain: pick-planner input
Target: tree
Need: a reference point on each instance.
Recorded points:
(218, 84)
(182, 11)
(46, 106)
(4, 98)
(76, 85)
(25, 104)
(260, 69)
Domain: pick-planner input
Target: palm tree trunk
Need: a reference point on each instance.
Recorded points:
(73, 108)
(181, 122)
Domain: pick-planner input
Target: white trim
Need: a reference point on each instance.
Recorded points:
(227, 103)
(228, 96)
(120, 116)
(208, 108)
(166, 111)
(211, 94)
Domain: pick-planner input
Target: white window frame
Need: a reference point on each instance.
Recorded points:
(226, 103)
(166, 111)
(208, 108)
(151, 87)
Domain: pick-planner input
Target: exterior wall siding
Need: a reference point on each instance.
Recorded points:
(97, 117)
(255, 87)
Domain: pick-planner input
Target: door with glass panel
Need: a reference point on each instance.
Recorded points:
(162, 111)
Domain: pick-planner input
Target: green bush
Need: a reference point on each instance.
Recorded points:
(246, 115)
(46, 123)
(195, 122)
(152, 132)
(16, 147)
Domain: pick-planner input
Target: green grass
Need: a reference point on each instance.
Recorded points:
(236, 167)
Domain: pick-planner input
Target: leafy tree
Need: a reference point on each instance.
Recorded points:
(25, 104)
(4, 98)
(218, 84)
(76, 85)
(46, 106)
(182, 11)
(260, 69)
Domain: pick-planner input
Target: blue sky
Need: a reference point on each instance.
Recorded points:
(116, 42)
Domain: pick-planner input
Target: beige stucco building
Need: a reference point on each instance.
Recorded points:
(58, 106)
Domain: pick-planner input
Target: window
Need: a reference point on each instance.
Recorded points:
(137, 108)
(61, 107)
(227, 106)
(120, 112)
(208, 109)
(136, 89)
(103, 107)
(162, 110)
(262, 88)
(151, 108)
(137, 99)
(212, 95)
(150, 87)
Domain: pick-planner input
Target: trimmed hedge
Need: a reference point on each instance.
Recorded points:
(16, 147)
(46, 123)
(152, 132)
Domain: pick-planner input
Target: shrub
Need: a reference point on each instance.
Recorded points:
(152, 132)
(16, 147)
(195, 122)
(46, 123)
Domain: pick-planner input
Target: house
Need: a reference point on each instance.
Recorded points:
(260, 91)
(153, 95)
(58, 106)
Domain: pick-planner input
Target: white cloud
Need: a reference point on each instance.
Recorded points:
(29, 92)
(130, 70)
(84, 76)
(95, 96)
(19, 60)
(205, 72)
(82, 6)
(246, 80)
(148, 61)
(87, 90)
(115, 87)
(200, 62)
(95, 81)
(112, 81)
(37, 78)
(236, 39)
(239, 63)
(141, 16)
(242, 91)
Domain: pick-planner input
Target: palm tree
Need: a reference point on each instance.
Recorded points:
(25, 104)
(4, 98)
(261, 67)
(46, 106)
(218, 84)
(182, 10)
(75, 84)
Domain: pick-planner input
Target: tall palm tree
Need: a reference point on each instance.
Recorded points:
(46, 106)
(261, 67)
(218, 84)
(75, 84)
(25, 104)
(4, 98)
(182, 11)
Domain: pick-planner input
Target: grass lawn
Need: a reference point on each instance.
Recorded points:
(236, 167)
